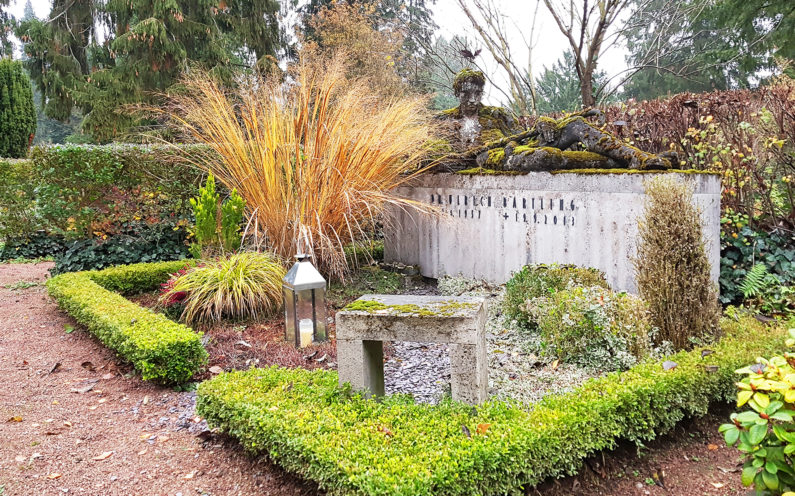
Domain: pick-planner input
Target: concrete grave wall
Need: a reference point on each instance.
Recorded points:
(492, 225)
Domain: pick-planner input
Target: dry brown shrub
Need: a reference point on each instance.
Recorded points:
(671, 265)
(746, 135)
(370, 53)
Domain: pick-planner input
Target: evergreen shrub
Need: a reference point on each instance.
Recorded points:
(17, 112)
(351, 445)
(92, 195)
(160, 349)
(534, 281)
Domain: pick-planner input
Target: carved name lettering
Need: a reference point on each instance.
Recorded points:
(529, 209)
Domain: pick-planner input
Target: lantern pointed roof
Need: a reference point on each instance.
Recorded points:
(304, 275)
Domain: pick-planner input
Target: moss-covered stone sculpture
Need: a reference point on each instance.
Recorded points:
(491, 138)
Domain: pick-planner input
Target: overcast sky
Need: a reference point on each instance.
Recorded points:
(549, 43)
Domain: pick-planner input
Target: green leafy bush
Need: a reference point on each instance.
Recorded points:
(765, 434)
(34, 245)
(533, 281)
(93, 194)
(241, 286)
(83, 190)
(352, 445)
(17, 195)
(742, 247)
(671, 266)
(160, 349)
(592, 326)
(17, 113)
(135, 242)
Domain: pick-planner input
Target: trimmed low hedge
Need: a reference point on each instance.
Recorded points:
(160, 349)
(352, 445)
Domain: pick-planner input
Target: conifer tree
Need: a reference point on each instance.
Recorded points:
(17, 113)
(6, 47)
(56, 53)
(254, 24)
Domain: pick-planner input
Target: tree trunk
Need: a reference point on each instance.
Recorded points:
(586, 89)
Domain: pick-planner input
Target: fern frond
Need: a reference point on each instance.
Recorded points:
(755, 281)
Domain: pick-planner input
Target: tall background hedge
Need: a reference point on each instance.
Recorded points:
(17, 113)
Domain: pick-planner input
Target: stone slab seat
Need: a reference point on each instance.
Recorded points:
(460, 321)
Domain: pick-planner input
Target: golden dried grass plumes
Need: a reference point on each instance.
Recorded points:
(315, 158)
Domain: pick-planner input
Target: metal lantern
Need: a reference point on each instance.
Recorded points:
(304, 292)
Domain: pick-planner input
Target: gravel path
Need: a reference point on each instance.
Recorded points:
(119, 435)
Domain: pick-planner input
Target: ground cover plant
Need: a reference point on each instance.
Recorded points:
(765, 433)
(539, 280)
(592, 326)
(160, 349)
(743, 247)
(351, 445)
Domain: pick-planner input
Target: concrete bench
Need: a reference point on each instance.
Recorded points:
(365, 324)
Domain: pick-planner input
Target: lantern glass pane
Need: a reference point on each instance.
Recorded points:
(320, 314)
(305, 315)
(289, 315)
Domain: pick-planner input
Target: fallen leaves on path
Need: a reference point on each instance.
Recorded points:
(103, 456)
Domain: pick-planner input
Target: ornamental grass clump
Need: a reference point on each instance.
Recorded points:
(242, 286)
(671, 266)
(315, 157)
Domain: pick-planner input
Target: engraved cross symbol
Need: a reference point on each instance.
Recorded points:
(505, 216)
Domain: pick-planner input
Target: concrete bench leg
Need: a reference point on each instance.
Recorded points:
(361, 363)
(469, 375)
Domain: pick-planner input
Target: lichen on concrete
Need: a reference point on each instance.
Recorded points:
(446, 308)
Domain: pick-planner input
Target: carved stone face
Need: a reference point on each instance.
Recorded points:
(469, 97)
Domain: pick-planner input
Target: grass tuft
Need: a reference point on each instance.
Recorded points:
(243, 286)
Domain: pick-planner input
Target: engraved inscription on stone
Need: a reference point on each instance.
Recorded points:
(530, 209)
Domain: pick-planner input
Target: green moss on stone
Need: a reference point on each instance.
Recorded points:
(633, 171)
(467, 74)
(479, 171)
(368, 306)
(496, 157)
(438, 309)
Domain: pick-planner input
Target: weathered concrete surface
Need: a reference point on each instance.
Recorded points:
(494, 225)
(459, 321)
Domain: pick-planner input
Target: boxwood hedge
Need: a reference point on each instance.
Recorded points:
(352, 445)
(160, 349)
